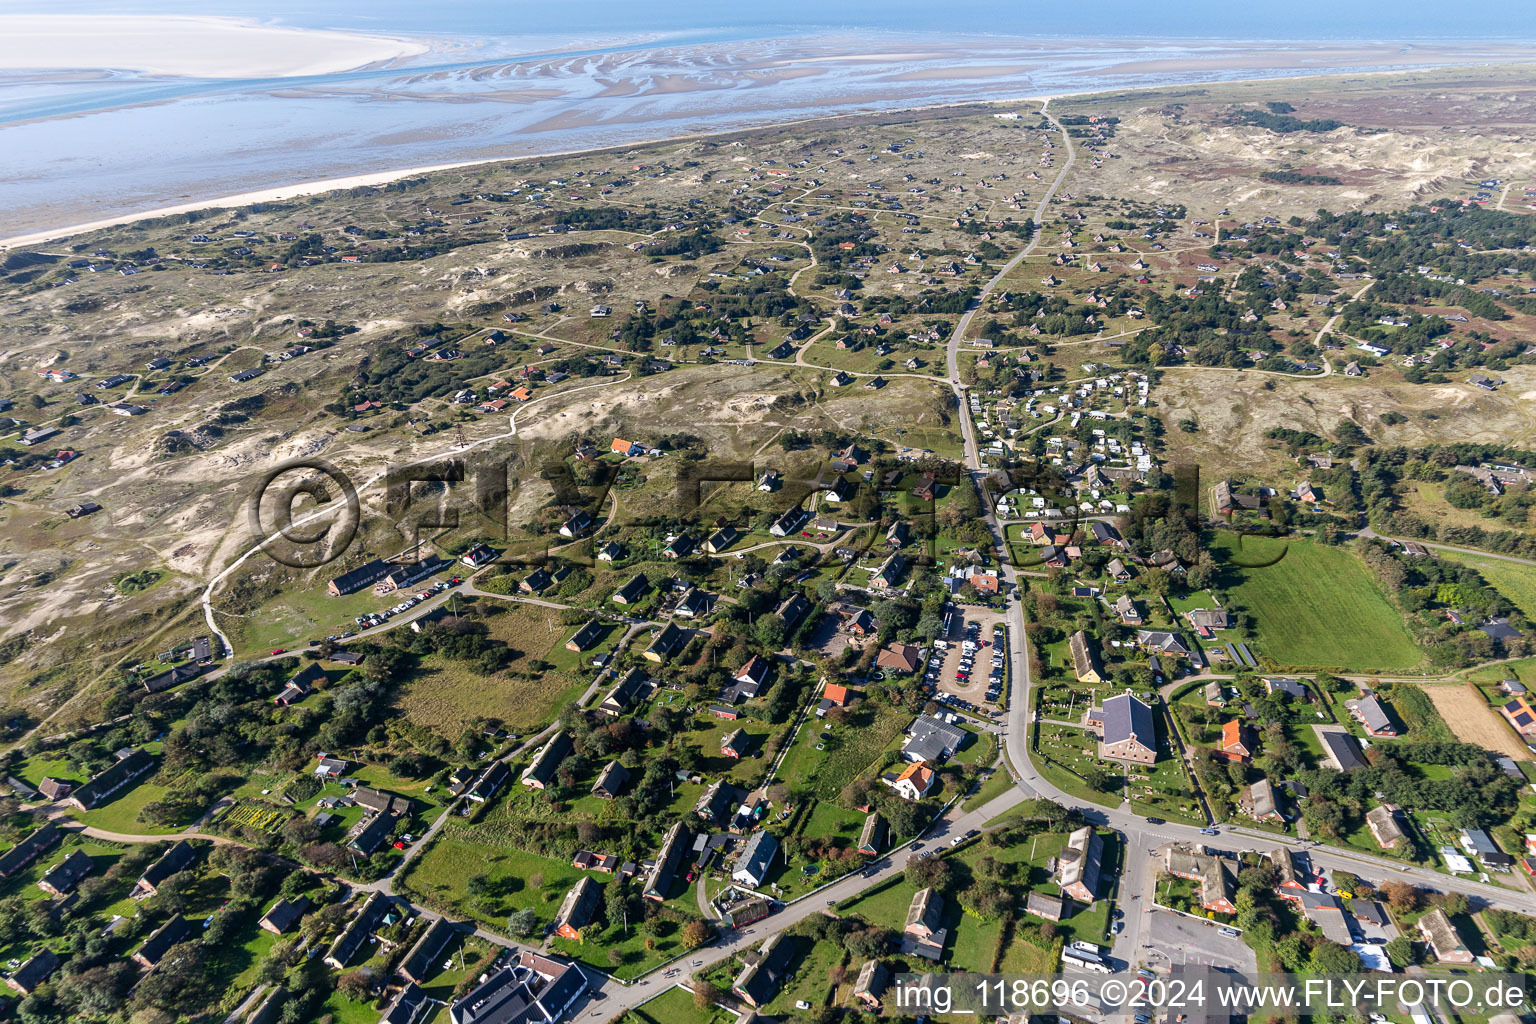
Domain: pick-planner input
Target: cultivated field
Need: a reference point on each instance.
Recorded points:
(1473, 721)
(1318, 607)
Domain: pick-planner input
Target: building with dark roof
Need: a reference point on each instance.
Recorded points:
(634, 588)
(1480, 844)
(357, 931)
(177, 858)
(578, 908)
(537, 989)
(548, 760)
(161, 940)
(1079, 863)
(658, 882)
(284, 914)
(409, 1006)
(61, 879)
(379, 801)
(628, 691)
(29, 849)
(38, 969)
(116, 778)
(760, 980)
(611, 782)
(357, 579)
(932, 739)
(421, 962)
(490, 781)
(1521, 715)
(718, 801)
(1343, 751)
(736, 744)
(1128, 731)
(374, 834)
(668, 642)
(793, 610)
(1293, 688)
(1161, 642)
(173, 676)
(300, 684)
(586, 636)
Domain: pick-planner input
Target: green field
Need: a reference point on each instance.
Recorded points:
(675, 1006)
(122, 814)
(1317, 607)
(1515, 581)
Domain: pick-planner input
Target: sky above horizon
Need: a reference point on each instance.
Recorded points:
(1297, 19)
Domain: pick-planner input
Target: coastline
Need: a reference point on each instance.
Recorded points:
(372, 178)
(189, 46)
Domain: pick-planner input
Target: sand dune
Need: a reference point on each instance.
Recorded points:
(195, 47)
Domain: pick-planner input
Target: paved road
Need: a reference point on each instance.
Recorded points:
(1368, 532)
(614, 998)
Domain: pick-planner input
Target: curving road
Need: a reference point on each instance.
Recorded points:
(614, 998)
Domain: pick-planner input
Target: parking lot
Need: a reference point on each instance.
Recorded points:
(980, 627)
(1176, 939)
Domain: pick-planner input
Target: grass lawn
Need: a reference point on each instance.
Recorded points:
(122, 814)
(847, 750)
(1064, 750)
(517, 880)
(1023, 955)
(1426, 500)
(980, 751)
(973, 942)
(995, 785)
(379, 777)
(623, 953)
(444, 695)
(299, 614)
(474, 953)
(1523, 669)
(1317, 606)
(35, 769)
(341, 1010)
(573, 662)
(808, 980)
(675, 1006)
(24, 883)
(1515, 581)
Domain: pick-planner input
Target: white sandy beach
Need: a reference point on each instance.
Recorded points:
(485, 110)
(383, 177)
(194, 47)
(268, 195)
